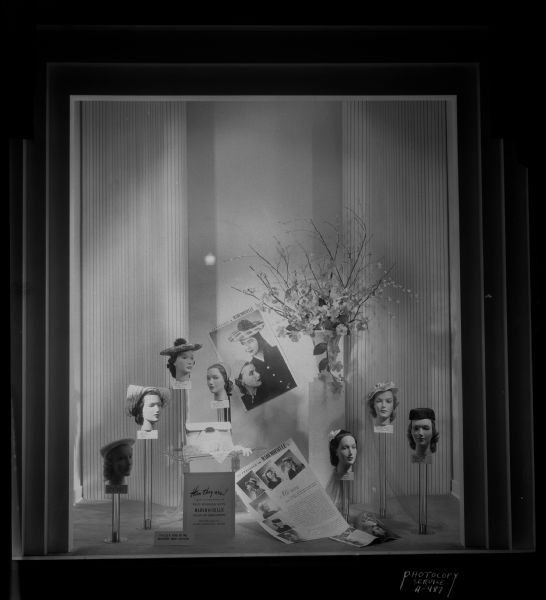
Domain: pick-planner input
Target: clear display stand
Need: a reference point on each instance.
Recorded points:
(423, 472)
(115, 491)
(346, 483)
(382, 475)
(148, 484)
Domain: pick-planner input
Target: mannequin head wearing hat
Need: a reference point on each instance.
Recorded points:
(218, 381)
(181, 359)
(422, 434)
(343, 450)
(118, 461)
(145, 404)
(382, 403)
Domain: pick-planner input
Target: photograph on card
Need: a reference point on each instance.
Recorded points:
(289, 465)
(370, 523)
(264, 506)
(251, 486)
(271, 475)
(291, 536)
(251, 349)
(277, 525)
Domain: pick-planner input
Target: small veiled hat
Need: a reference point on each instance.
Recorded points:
(109, 447)
(180, 345)
(245, 329)
(421, 413)
(383, 386)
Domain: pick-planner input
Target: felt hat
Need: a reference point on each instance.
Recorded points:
(180, 345)
(421, 413)
(105, 450)
(135, 393)
(383, 386)
(245, 329)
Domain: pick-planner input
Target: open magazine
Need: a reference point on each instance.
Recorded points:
(285, 497)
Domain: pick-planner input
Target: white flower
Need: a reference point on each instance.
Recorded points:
(333, 434)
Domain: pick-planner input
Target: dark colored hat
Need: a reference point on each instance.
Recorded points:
(421, 413)
(180, 345)
(109, 447)
(245, 329)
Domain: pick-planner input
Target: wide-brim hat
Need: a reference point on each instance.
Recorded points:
(109, 447)
(180, 345)
(245, 329)
(135, 393)
(421, 413)
(384, 386)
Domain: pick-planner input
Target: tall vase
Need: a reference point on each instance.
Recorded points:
(326, 400)
(329, 354)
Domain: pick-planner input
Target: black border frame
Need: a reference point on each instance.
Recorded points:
(496, 255)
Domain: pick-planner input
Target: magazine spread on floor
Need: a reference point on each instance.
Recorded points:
(284, 495)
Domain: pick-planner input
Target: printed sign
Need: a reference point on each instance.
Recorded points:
(209, 504)
(147, 435)
(172, 538)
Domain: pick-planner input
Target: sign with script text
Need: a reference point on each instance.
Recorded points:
(209, 504)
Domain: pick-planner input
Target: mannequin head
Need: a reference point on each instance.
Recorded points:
(145, 404)
(218, 380)
(422, 434)
(118, 461)
(181, 359)
(343, 450)
(382, 403)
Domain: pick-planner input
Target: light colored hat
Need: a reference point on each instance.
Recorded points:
(180, 345)
(246, 329)
(383, 386)
(105, 450)
(135, 393)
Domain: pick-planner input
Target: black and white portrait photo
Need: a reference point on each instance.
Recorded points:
(259, 369)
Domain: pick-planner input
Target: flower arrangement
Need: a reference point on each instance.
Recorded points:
(323, 290)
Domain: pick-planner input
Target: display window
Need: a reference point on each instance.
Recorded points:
(267, 339)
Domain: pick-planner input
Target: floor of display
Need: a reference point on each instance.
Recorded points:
(92, 524)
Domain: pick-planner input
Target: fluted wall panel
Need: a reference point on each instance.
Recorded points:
(395, 178)
(134, 277)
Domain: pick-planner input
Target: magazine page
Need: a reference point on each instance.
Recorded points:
(286, 498)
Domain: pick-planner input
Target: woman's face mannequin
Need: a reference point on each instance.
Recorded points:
(151, 408)
(184, 363)
(421, 431)
(384, 404)
(215, 381)
(251, 345)
(346, 451)
(250, 377)
(122, 461)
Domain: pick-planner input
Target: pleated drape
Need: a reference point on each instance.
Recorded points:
(134, 273)
(395, 178)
